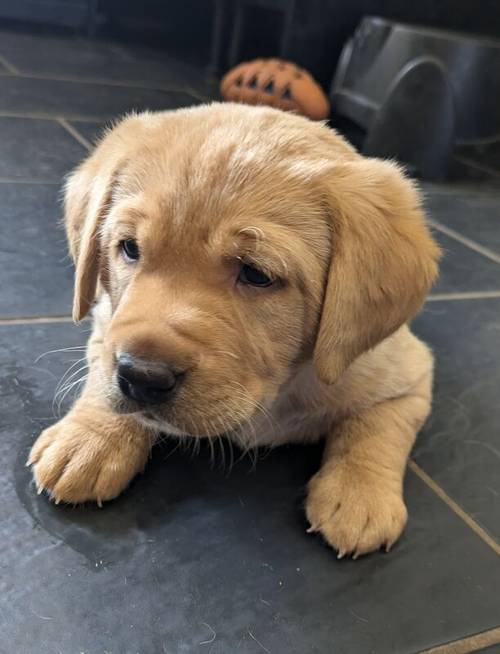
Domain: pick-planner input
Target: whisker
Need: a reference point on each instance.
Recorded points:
(257, 405)
(68, 390)
(196, 446)
(231, 453)
(69, 383)
(65, 386)
(212, 451)
(222, 451)
(65, 378)
(62, 349)
(163, 439)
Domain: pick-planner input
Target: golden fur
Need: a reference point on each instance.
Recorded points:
(324, 352)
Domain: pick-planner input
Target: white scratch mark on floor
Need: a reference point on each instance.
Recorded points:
(258, 642)
(358, 617)
(212, 637)
(42, 617)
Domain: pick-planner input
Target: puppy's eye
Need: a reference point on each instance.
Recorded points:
(254, 277)
(130, 249)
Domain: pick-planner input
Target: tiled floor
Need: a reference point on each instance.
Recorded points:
(192, 559)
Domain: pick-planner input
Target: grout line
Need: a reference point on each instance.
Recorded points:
(202, 97)
(27, 320)
(118, 49)
(477, 191)
(103, 81)
(456, 508)
(479, 166)
(27, 180)
(47, 116)
(486, 252)
(10, 67)
(469, 644)
(467, 295)
(74, 133)
(487, 140)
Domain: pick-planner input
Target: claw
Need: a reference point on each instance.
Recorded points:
(340, 554)
(39, 490)
(57, 500)
(311, 530)
(355, 556)
(99, 502)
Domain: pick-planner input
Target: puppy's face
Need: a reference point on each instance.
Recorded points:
(211, 232)
(213, 293)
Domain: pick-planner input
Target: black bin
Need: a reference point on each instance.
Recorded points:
(418, 91)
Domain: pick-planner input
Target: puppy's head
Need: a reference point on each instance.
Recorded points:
(235, 243)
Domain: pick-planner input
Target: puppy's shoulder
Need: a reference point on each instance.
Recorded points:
(389, 370)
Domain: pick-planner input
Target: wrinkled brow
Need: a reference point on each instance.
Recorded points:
(123, 219)
(273, 248)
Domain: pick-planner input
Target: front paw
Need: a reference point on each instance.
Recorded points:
(75, 462)
(356, 511)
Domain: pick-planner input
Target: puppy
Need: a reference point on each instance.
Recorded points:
(253, 277)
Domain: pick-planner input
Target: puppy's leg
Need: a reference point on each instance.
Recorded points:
(356, 499)
(92, 453)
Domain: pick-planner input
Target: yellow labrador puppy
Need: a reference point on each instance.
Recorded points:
(253, 276)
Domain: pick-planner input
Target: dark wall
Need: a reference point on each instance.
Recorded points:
(320, 27)
(182, 26)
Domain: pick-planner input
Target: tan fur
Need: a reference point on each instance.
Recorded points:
(326, 352)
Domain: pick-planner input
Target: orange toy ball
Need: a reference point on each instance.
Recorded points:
(277, 83)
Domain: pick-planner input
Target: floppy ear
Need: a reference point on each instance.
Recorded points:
(88, 197)
(383, 261)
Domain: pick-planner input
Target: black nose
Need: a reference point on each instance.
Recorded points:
(144, 381)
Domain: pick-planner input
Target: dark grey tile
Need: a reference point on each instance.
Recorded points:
(36, 275)
(73, 99)
(18, 40)
(191, 554)
(94, 60)
(463, 269)
(195, 76)
(473, 214)
(90, 130)
(37, 149)
(459, 446)
(39, 53)
(3, 69)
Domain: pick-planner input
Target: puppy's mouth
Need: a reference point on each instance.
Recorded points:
(165, 418)
(148, 419)
(157, 422)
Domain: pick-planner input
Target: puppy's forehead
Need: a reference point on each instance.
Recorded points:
(248, 162)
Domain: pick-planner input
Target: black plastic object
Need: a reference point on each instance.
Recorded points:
(232, 16)
(418, 91)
